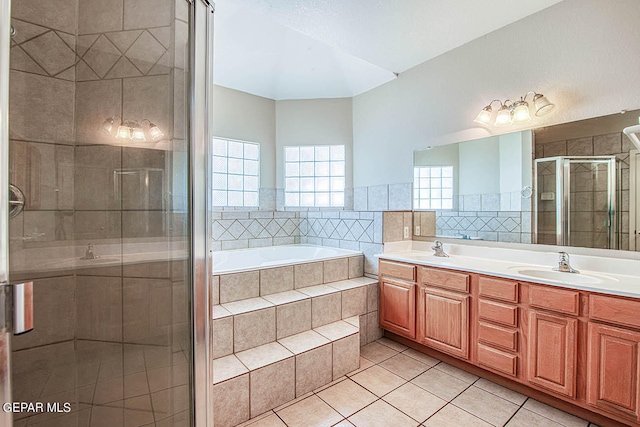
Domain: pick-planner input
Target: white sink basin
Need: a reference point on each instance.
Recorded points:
(433, 258)
(558, 276)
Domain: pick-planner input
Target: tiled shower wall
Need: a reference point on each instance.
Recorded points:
(589, 210)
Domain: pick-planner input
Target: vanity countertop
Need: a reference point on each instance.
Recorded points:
(535, 267)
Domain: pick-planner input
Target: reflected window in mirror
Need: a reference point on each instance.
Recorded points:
(433, 187)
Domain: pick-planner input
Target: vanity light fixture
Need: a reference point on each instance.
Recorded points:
(515, 112)
(132, 129)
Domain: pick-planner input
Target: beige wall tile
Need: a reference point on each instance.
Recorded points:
(231, 401)
(272, 386)
(274, 280)
(313, 369)
(146, 303)
(254, 329)
(227, 367)
(336, 269)
(362, 320)
(96, 101)
(309, 274)
(136, 13)
(57, 14)
(326, 309)
(94, 181)
(373, 330)
(264, 355)
(373, 297)
(238, 286)
(215, 290)
(222, 337)
(427, 224)
(392, 223)
(149, 97)
(293, 318)
(354, 302)
(303, 342)
(41, 108)
(99, 308)
(99, 16)
(346, 355)
(356, 266)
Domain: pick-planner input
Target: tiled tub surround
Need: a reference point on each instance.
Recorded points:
(281, 332)
(253, 229)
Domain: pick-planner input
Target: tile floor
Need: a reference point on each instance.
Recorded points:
(398, 386)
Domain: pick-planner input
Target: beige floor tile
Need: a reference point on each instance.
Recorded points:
(524, 418)
(310, 412)
(331, 384)
(404, 366)
(392, 344)
(344, 423)
(452, 416)
(421, 357)
(381, 414)
(256, 419)
(441, 384)
(378, 380)
(377, 352)
(503, 392)
(458, 373)
(364, 364)
(347, 397)
(554, 414)
(291, 402)
(415, 402)
(486, 406)
(271, 420)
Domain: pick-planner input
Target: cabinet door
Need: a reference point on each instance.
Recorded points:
(398, 307)
(613, 377)
(443, 321)
(552, 355)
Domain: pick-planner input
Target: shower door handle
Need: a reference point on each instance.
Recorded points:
(22, 308)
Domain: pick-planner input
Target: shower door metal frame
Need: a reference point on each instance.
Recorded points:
(200, 119)
(6, 418)
(563, 195)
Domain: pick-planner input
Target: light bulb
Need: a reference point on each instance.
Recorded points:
(124, 132)
(138, 134)
(155, 132)
(521, 112)
(484, 117)
(504, 116)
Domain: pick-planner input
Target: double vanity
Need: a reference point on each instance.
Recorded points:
(574, 336)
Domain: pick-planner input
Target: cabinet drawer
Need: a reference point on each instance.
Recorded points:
(614, 310)
(399, 270)
(444, 279)
(499, 313)
(498, 360)
(495, 335)
(560, 300)
(505, 290)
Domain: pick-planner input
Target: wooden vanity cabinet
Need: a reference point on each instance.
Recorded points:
(398, 298)
(443, 311)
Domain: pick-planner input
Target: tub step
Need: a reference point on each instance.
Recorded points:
(257, 380)
(249, 323)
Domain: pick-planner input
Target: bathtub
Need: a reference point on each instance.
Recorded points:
(273, 256)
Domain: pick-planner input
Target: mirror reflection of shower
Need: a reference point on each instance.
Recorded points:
(576, 201)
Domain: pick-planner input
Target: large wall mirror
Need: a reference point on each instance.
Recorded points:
(574, 184)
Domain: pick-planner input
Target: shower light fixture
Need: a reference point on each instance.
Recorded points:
(132, 129)
(515, 112)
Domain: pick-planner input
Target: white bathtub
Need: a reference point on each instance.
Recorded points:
(272, 256)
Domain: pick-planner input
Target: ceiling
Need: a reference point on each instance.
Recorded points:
(302, 49)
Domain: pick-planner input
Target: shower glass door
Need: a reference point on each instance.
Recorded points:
(576, 201)
(99, 144)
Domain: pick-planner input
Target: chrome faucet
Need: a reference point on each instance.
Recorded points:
(89, 252)
(439, 250)
(564, 265)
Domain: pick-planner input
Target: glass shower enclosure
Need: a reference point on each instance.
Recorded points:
(103, 128)
(575, 202)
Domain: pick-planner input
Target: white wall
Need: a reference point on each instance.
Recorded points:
(314, 122)
(583, 54)
(240, 115)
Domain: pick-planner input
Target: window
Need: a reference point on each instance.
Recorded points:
(236, 173)
(433, 187)
(314, 176)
